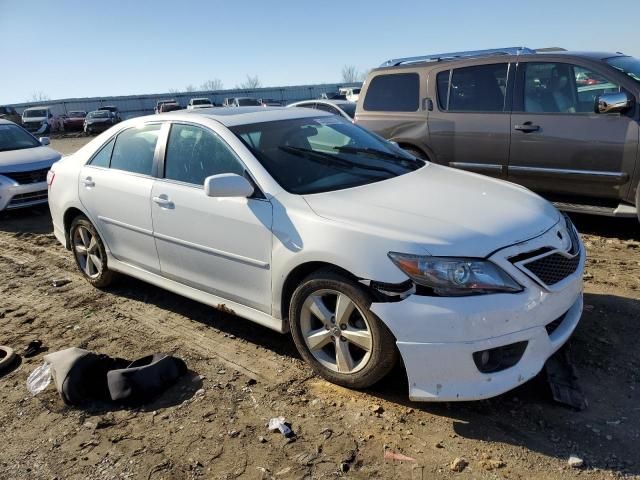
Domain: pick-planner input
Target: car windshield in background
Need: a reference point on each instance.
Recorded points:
(201, 102)
(321, 154)
(349, 109)
(77, 114)
(99, 114)
(13, 137)
(628, 65)
(248, 102)
(35, 113)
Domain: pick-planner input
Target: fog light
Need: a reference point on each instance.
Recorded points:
(500, 358)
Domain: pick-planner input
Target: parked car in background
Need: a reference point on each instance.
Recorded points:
(114, 111)
(39, 120)
(9, 113)
(98, 121)
(305, 223)
(169, 107)
(563, 124)
(241, 102)
(351, 93)
(269, 102)
(74, 120)
(333, 96)
(24, 163)
(196, 103)
(343, 108)
(159, 103)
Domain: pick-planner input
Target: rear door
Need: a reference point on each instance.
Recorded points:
(469, 126)
(218, 245)
(559, 146)
(115, 189)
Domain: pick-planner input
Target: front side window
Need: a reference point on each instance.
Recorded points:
(399, 92)
(194, 154)
(480, 88)
(134, 149)
(563, 88)
(321, 154)
(13, 137)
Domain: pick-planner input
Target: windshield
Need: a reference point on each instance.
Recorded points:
(321, 154)
(348, 108)
(248, 102)
(35, 113)
(628, 65)
(77, 114)
(13, 137)
(202, 101)
(99, 114)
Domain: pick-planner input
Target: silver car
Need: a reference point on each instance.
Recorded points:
(344, 108)
(24, 163)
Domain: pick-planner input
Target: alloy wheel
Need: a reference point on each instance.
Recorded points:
(87, 251)
(336, 331)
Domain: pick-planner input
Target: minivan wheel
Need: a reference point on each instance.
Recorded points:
(89, 252)
(337, 334)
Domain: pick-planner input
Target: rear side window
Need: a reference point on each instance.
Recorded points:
(397, 92)
(481, 88)
(134, 149)
(103, 157)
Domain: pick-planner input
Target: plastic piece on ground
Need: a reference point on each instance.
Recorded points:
(39, 379)
(278, 423)
(563, 380)
(389, 455)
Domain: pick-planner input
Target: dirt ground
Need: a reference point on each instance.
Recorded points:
(212, 424)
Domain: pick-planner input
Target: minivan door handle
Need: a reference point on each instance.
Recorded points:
(88, 182)
(527, 127)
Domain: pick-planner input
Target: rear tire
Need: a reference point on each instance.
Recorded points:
(337, 334)
(89, 252)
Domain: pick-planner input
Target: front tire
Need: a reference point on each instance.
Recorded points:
(89, 252)
(337, 334)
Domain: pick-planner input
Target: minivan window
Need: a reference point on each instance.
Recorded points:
(398, 92)
(480, 88)
(627, 65)
(194, 154)
(321, 154)
(552, 87)
(134, 149)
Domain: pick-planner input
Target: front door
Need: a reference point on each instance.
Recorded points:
(115, 189)
(469, 125)
(218, 245)
(559, 145)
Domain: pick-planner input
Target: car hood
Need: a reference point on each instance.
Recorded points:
(441, 210)
(98, 120)
(27, 159)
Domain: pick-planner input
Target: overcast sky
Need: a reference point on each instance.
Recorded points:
(72, 48)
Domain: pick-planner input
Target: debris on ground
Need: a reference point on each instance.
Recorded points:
(60, 283)
(458, 464)
(575, 461)
(399, 457)
(32, 349)
(279, 423)
(563, 380)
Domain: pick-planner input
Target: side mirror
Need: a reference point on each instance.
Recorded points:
(44, 141)
(612, 102)
(227, 185)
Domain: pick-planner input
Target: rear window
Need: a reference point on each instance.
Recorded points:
(393, 93)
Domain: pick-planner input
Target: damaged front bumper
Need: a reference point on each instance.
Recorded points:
(476, 347)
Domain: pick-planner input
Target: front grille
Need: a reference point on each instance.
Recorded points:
(25, 178)
(553, 268)
(24, 198)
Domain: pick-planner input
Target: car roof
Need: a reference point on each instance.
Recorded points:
(37, 108)
(234, 116)
(330, 101)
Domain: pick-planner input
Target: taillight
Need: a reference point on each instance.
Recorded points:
(50, 176)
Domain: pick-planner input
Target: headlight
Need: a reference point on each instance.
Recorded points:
(450, 276)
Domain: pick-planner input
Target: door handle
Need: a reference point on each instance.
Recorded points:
(163, 201)
(88, 182)
(527, 127)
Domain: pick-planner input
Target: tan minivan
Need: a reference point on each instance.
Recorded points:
(563, 124)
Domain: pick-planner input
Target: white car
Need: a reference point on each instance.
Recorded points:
(352, 93)
(40, 120)
(304, 222)
(24, 163)
(344, 108)
(196, 103)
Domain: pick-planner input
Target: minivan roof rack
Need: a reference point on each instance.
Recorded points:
(436, 57)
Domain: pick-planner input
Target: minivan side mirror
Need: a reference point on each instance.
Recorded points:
(44, 141)
(227, 185)
(616, 102)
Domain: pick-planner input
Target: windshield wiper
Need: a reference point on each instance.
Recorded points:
(329, 159)
(374, 152)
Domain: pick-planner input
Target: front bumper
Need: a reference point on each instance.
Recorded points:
(438, 336)
(14, 195)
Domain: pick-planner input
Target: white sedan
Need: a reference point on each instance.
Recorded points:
(24, 163)
(305, 223)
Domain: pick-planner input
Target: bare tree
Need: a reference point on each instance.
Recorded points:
(214, 84)
(39, 97)
(189, 88)
(350, 74)
(251, 83)
(173, 91)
